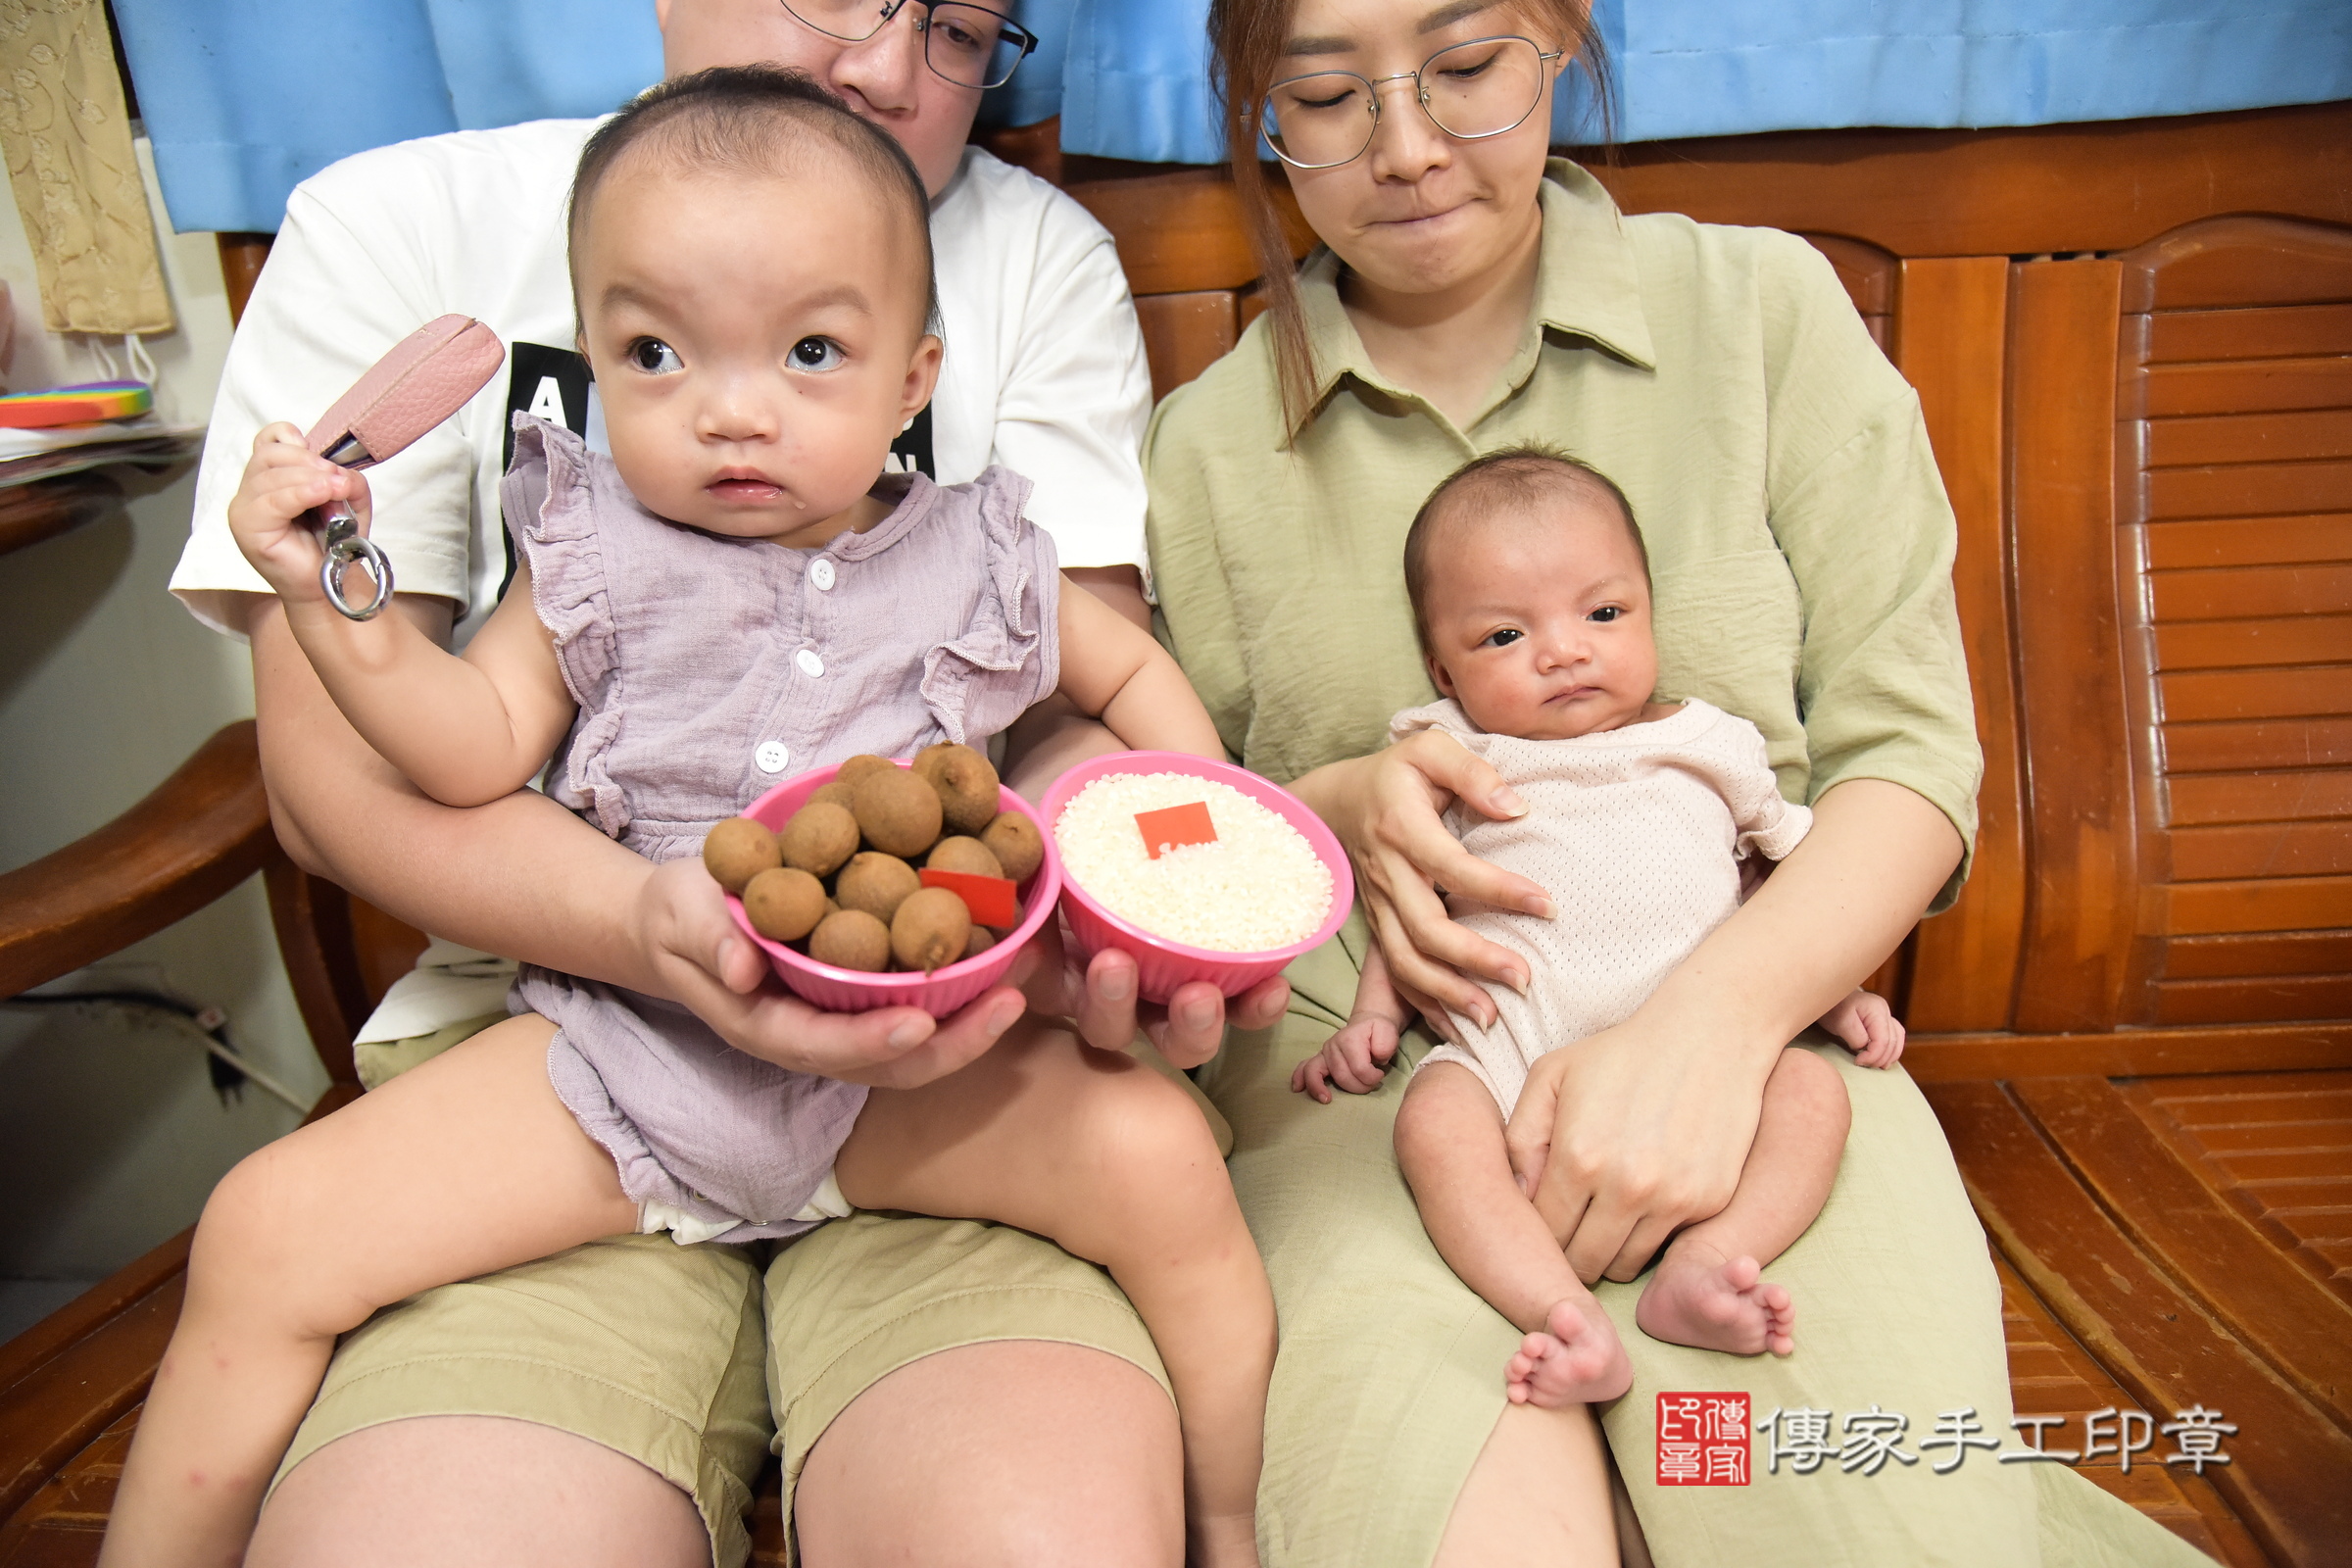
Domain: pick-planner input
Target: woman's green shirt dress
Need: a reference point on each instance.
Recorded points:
(1801, 548)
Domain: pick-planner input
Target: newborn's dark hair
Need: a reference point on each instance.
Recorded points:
(1513, 477)
(754, 118)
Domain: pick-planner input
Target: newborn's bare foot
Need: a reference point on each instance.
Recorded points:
(1698, 1297)
(1578, 1362)
(1222, 1541)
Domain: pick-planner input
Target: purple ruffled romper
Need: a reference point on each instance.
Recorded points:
(708, 670)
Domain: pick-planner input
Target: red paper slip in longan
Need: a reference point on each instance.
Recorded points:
(989, 898)
(1175, 825)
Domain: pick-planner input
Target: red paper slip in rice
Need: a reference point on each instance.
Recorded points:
(1173, 826)
(989, 898)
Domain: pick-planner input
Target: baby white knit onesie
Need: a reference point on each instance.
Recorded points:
(1637, 834)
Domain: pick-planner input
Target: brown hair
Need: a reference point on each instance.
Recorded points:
(1246, 38)
(745, 119)
(1513, 476)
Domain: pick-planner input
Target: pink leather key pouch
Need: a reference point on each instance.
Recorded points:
(429, 376)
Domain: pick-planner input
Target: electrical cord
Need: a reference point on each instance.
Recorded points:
(229, 1070)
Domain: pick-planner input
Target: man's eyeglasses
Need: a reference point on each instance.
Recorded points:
(1469, 92)
(971, 46)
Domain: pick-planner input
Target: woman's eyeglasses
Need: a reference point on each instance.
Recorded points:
(971, 46)
(1469, 92)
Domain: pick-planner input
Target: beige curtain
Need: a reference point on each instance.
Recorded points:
(66, 136)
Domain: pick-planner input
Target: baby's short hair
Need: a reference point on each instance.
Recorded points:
(756, 119)
(1513, 477)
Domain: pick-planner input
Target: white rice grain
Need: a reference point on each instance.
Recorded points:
(1261, 886)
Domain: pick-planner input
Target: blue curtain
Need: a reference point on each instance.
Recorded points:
(244, 98)
(1136, 81)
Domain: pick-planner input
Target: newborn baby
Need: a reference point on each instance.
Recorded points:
(1531, 593)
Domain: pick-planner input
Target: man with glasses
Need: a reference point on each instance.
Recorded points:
(943, 1390)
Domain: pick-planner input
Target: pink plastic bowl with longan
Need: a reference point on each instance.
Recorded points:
(1161, 964)
(942, 990)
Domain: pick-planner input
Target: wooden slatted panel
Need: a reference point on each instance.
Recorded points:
(2276, 953)
(2250, 332)
(2275, 1146)
(2235, 490)
(2299, 640)
(2165, 1346)
(2051, 1375)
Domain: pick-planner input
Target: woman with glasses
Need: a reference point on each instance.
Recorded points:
(944, 1391)
(1472, 295)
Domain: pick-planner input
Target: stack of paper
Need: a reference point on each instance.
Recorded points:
(27, 455)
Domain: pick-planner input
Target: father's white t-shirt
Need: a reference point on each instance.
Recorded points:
(1043, 372)
(1044, 368)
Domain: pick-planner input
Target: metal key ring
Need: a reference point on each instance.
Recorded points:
(344, 546)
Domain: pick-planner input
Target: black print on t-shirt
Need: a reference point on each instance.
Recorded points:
(552, 384)
(549, 383)
(912, 451)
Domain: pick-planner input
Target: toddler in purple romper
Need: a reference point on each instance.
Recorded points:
(706, 668)
(743, 592)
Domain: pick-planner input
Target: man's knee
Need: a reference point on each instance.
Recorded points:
(458, 1490)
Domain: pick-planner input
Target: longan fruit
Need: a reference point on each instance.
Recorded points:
(834, 794)
(875, 883)
(899, 813)
(784, 904)
(738, 850)
(858, 767)
(930, 930)
(980, 941)
(956, 852)
(1012, 837)
(966, 782)
(851, 939)
(819, 836)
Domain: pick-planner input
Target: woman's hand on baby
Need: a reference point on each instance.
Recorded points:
(1387, 808)
(705, 962)
(1869, 1028)
(1357, 1059)
(1629, 1137)
(284, 481)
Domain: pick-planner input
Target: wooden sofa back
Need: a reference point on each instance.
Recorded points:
(2134, 347)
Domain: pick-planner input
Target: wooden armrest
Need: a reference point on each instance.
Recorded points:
(45, 507)
(200, 833)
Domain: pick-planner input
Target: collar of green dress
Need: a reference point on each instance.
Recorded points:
(1587, 286)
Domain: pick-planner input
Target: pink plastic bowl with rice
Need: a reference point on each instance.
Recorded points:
(1165, 964)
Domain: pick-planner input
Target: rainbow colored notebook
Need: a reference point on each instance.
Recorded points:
(87, 404)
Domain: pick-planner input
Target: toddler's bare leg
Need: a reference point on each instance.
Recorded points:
(1707, 1290)
(1117, 1167)
(465, 1165)
(1449, 1144)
